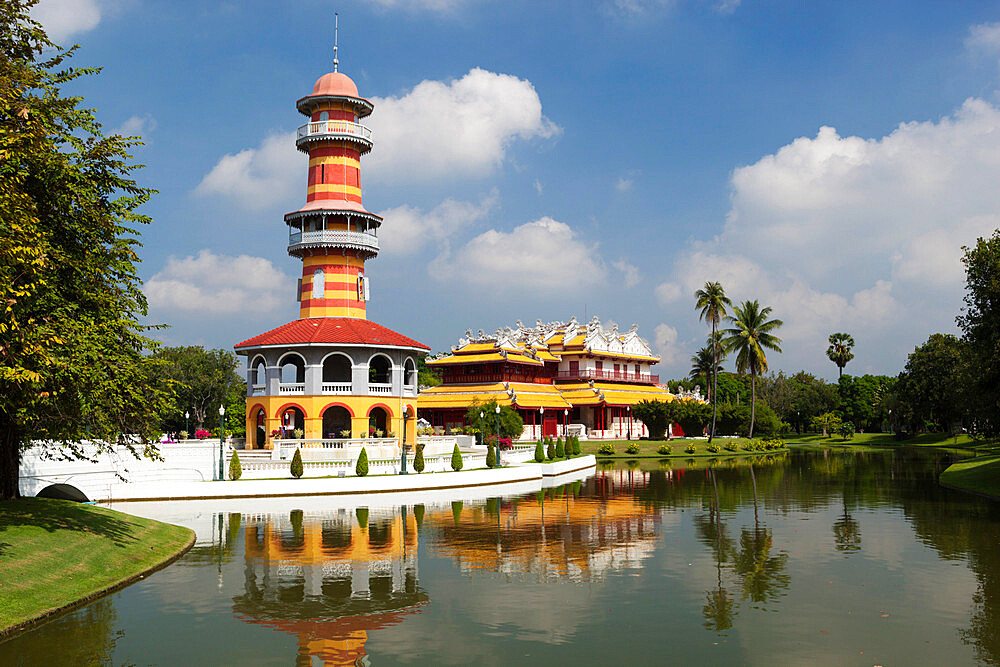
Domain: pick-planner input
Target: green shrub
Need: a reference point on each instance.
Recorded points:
(632, 449)
(183, 435)
(550, 451)
(664, 449)
(539, 451)
(456, 459)
(235, 469)
(418, 459)
(846, 430)
(491, 457)
(361, 468)
(731, 446)
(690, 449)
(560, 452)
(296, 467)
(607, 449)
(576, 445)
(714, 448)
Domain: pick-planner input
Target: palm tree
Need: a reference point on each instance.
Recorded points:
(712, 301)
(702, 365)
(840, 350)
(749, 338)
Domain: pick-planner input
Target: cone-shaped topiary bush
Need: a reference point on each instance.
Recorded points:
(576, 445)
(296, 467)
(456, 511)
(418, 515)
(560, 452)
(361, 468)
(550, 451)
(456, 459)
(362, 514)
(539, 451)
(491, 457)
(418, 460)
(235, 469)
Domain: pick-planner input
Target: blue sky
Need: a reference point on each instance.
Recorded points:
(545, 160)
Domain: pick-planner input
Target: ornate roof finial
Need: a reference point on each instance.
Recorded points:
(336, 35)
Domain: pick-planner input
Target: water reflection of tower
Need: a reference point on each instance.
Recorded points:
(330, 579)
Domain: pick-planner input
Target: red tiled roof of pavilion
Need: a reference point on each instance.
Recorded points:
(333, 330)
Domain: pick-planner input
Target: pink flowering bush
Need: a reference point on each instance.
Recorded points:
(201, 434)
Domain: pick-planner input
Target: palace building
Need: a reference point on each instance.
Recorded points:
(331, 373)
(562, 377)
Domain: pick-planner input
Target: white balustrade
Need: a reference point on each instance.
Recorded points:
(333, 129)
(336, 388)
(292, 388)
(379, 388)
(333, 236)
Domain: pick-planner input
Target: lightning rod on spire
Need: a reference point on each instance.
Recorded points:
(336, 31)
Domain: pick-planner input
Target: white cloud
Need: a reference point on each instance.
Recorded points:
(209, 283)
(136, 126)
(259, 177)
(65, 18)
(538, 186)
(665, 343)
(407, 229)
(726, 7)
(461, 128)
(984, 39)
(630, 272)
(624, 184)
(634, 8)
(544, 256)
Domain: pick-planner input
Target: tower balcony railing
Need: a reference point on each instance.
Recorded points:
(292, 388)
(379, 388)
(338, 237)
(336, 387)
(333, 129)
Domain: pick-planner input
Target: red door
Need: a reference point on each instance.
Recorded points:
(549, 425)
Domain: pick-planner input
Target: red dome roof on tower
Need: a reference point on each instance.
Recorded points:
(332, 330)
(335, 83)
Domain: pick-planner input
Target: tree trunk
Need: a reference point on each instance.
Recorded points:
(10, 461)
(753, 399)
(715, 381)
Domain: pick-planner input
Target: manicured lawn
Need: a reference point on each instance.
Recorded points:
(979, 475)
(54, 553)
(647, 448)
(962, 443)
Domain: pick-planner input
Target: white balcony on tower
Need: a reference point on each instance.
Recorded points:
(298, 240)
(327, 130)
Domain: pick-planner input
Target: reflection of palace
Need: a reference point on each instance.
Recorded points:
(330, 579)
(566, 533)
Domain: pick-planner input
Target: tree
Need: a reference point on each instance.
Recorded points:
(418, 459)
(426, 376)
(839, 351)
(199, 381)
(712, 301)
(703, 366)
(511, 423)
(361, 467)
(456, 459)
(931, 388)
(550, 451)
(491, 458)
(296, 466)
(749, 338)
(560, 452)
(828, 422)
(235, 469)
(980, 325)
(539, 451)
(73, 354)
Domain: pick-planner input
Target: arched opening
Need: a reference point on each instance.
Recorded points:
(293, 369)
(380, 370)
(378, 420)
(409, 373)
(63, 492)
(260, 429)
(336, 422)
(336, 368)
(292, 419)
(259, 371)
(319, 283)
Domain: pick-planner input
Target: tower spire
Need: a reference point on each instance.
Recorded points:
(336, 31)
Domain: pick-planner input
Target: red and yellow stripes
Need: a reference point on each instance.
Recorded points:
(340, 286)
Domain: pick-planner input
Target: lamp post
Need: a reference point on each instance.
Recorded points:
(222, 434)
(402, 447)
(498, 435)
(890, 421)
(628, 409)
(187, 425)
(541, 419)
(482, 431)
(565, 423)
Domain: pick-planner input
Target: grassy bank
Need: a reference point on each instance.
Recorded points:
(882, 439)
(57, 554)
(648, 448)
(978, 475)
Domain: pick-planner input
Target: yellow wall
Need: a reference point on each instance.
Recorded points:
(313, 406)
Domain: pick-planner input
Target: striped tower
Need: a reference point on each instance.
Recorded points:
(333, 234)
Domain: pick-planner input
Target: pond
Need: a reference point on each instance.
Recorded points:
(805, 557)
